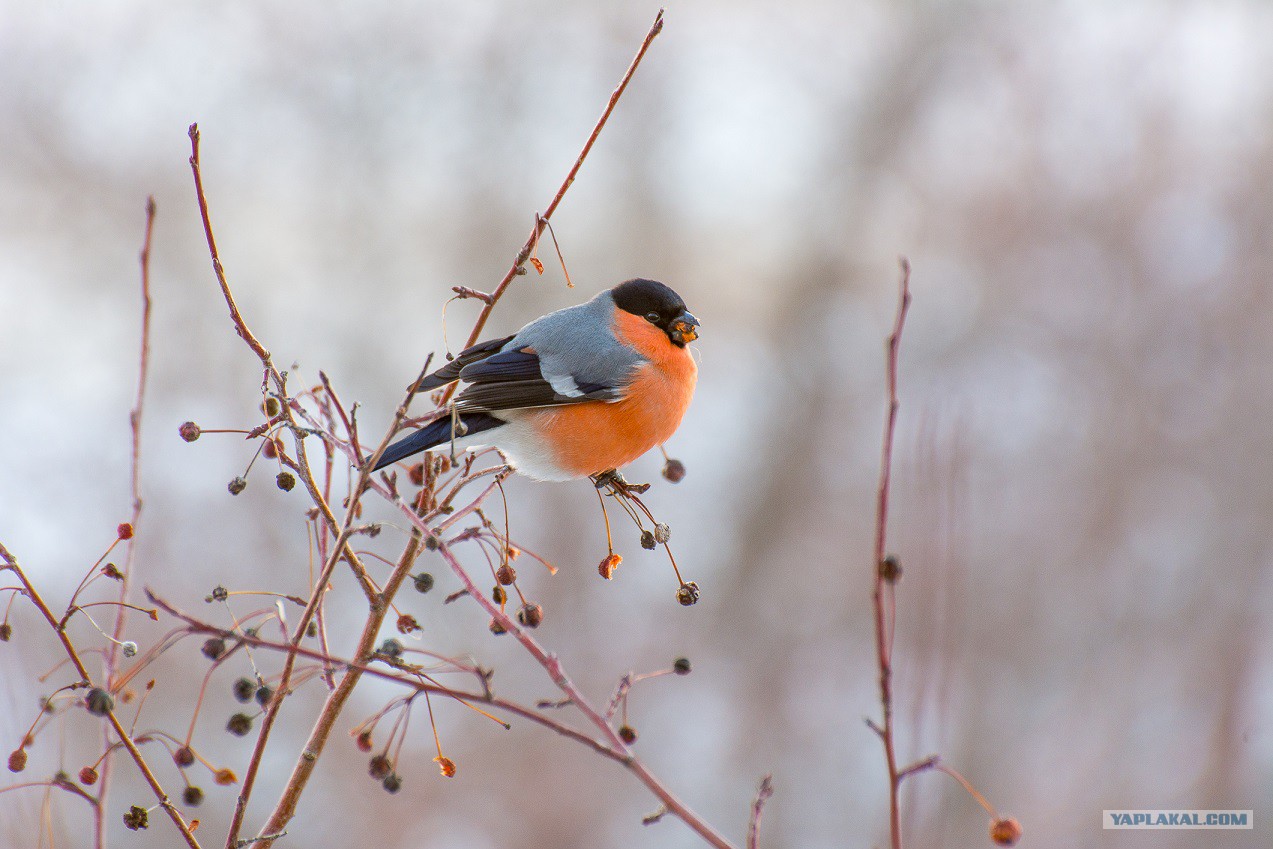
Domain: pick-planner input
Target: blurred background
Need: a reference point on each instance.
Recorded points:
(1082, 500)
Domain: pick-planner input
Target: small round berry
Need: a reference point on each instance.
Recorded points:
(99, 702)
(244, 689)
(687, 594)
(263, 696)
(423, 582)
(239, 725)
(219, 593)
(6, 631)
(189, 431)
(129, 648)
(379, 767)
(192, 796)
(627, 734)
(17, 760)
(311, 630)
(270, 407)
(648, 542)
(285, 481)
(88, 776)
(390, 648)
(392, 782)
(496, 627)
(224, 777)
(364, 741)
(1005, 832)
(213, 648)
(183, 757)
(674, 471)
(681, 666)
(499, 595)
(125, 530)
(662, 533)
(530, 615)
(432, 543)
(270, 449)
(505, 574)
(237, 485)
(890, 569)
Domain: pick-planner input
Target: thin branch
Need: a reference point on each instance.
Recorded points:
(757, 807)
(883, 575)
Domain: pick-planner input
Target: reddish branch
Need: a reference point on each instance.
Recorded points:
(885, 576)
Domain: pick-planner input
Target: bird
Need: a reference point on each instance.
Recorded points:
(579, 392)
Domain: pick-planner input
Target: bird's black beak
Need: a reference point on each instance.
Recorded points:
(683, 328)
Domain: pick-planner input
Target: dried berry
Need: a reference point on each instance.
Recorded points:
(648, 542)
(213, 648)
(890, 569)
(446, 765)
(237, 485)
(88, 776)
(125, 530)
(99, 702)
(505, 574)
(688, 593)
(6, 631)
(662, 533)
(609, 564)
(183, 757)
(392, 782)
(681, 666)
(224, 777)
(270, 407)
(627, 734)
(363, 741)
(530, 615)
(1005, 832)
(674, 470)
(263, 695)
(285, 481)
(497, 627)
(380, 767)
(136, 818)
(240, 725)
(390, 648)
(219, 593)
(17, 760)
(415, 474)
(311, 630)
(111, 571)
(129, 648)
(189, 431)
(432, 542)
(407, 624)
(269, 449)
(192, 796)
(423, 582)
(498, 595)
(244, 689)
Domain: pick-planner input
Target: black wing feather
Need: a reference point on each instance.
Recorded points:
(450, 372)
(514, 380)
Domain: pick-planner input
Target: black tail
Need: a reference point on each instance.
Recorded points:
(435, 433)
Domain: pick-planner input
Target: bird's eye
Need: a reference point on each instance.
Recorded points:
(652, 317)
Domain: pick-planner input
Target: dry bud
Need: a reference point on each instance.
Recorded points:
(224, 777)
(609, 564)
(505, 574)
(17, 760)
(311, 630)
(99, 702)
(6, 631)
(237, 485)
(530, 615)
(380, 767)
(415, 474)
(1005, 832)
(407, 624)
(498, 595)
(496, 627)
(192, 796)
(674, 470)
(88, 776)
(213, 648)
(263, 696)
(183, 757)
(432, 543)
(240, 725)
(890, 569)
(423, 582)
(219, 593)
(681, 666)
(688, 593)
(285, 481)
(111, 571)
(392, 782)
(125, 530)
(627, 734)
(364, 742)
(189, 431)
(136, 818)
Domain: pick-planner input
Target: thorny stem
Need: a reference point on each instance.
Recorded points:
(883, 595)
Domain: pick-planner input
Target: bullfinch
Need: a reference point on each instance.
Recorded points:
(581, 391)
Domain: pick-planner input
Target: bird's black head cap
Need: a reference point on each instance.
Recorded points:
(656, 303)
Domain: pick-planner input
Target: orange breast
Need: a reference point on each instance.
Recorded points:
(598, 435)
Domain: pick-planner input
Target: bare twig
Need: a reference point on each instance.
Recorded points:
(885, 576)
(757, 807)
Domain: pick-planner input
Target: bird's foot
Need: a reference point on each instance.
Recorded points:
(613, 479)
